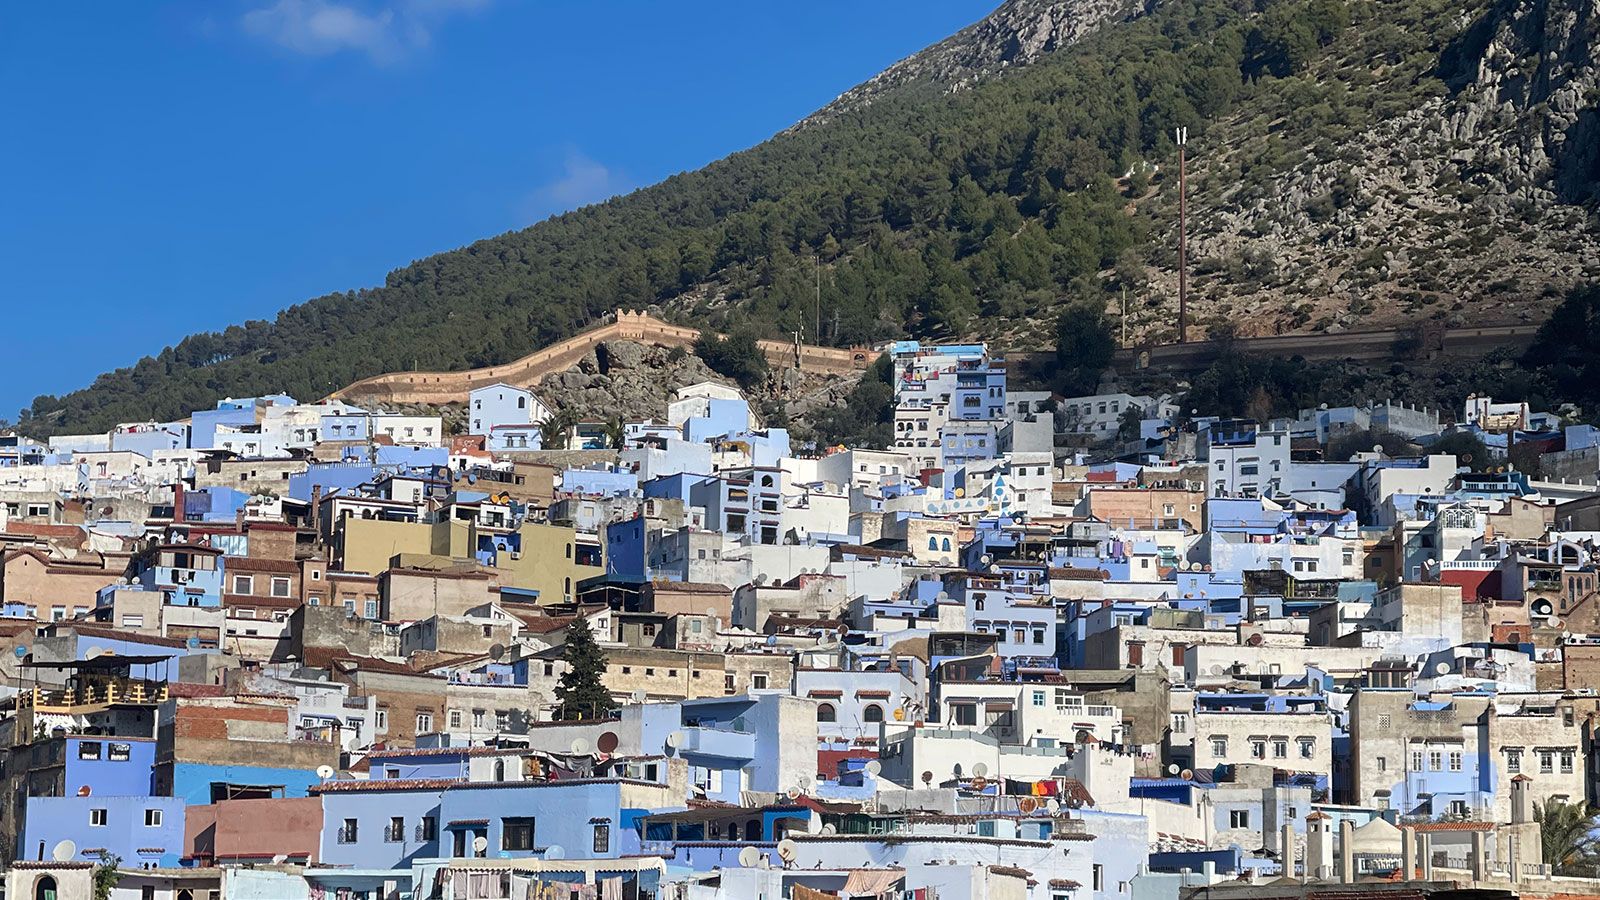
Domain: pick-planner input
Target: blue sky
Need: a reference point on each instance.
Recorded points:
(172, 167)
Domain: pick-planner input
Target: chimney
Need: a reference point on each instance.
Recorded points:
(1425, 855)
(1319, 846)
(1408, 853)
(1286, 849)
(1480, 858)
(1521, 800)
(1347, 846)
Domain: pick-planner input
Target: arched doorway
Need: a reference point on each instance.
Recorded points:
(44, 888)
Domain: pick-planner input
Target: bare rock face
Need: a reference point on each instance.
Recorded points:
(1476, 205)
(1018, 32)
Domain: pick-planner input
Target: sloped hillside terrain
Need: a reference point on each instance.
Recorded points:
(1355, 162)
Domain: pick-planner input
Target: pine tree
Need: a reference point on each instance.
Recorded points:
(580, 693)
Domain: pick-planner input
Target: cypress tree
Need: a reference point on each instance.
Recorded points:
(580, 693)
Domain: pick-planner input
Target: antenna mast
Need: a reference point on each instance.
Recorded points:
(1182, 136)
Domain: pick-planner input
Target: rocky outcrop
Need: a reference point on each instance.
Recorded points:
(1474, 205)
(1018, 32)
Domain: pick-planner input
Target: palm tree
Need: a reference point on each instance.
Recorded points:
(553, 430)
(616, 432)
(1567, 832)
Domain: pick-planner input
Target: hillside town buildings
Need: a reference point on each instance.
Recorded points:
(1039, 647)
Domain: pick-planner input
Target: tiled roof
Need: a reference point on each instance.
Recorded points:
(382, 784)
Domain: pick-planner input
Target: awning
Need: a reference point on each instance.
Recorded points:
(871, 882)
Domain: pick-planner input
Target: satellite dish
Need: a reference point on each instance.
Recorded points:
(193, 643)
(497, 651)
(673, 740)
(21, 651)
(748, 857)
(786, 850)
(979, 770)
(580, 746)
(927, 777)
(480, 844)
(1187, 774)
(1053, 805)
(280, 858)
(607, 742)
(324, 772)
(1216, 670)
(85, 791)
(64, 851)
(554, 851)
(793, 793)
(985, 559)
(93, 652)
(1441, 667)
(639, 696)
(1172, 769)
(829, 830)
(873, 767)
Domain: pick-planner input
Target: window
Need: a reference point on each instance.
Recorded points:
(350, 832)
(133, 621)
(380, 720)
(1038, 698)
(826, 713)
(964, 713)
(1239, 818)
(1455, 760)
(1416, 760)
(424, 723)
(1258, 748)
(1308, 748)
(1566, 762)
(516, 833)
(455, 719)
(244, 584)
(88, 749)
(396, 832)
(602, 838)
(119, 752)
(1219, 747)
(502, 720)
(758, 681)
(1514, 759)
(97, 818)
(1547, 762)
(1099, 877)
(1383, 764)
(372, 609)
(1180, 723)
(872, 713)
(152, 818)
(1280, 748)
(428, 829)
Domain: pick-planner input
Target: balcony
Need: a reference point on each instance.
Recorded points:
(94, 695)
(729, 745)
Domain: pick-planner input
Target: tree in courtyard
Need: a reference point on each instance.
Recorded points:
(105, 876)
(580, 693)
(1084, 345)
(1567, 835)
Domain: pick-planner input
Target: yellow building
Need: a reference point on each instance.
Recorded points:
(553, 560)
(367, 545)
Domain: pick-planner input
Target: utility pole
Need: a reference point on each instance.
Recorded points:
(1182, 136)
(817, 257)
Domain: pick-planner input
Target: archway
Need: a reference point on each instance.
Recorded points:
(45, 888)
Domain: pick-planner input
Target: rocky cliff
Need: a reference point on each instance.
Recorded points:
(1462, 191)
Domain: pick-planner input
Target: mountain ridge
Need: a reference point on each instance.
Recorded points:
(1353, 165)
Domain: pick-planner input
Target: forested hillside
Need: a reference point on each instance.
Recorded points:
(981, 211)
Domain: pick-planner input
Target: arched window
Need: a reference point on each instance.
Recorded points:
(752, 830)
(44, 888)
(946, 545)
(873, 713)
(826, 713)
(499, 770)
(933, 543)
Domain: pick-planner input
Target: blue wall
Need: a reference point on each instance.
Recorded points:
(372, 810)
(54, 819)
(191, 782)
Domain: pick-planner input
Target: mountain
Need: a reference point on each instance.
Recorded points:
(1017, 33)
(1352, 162)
